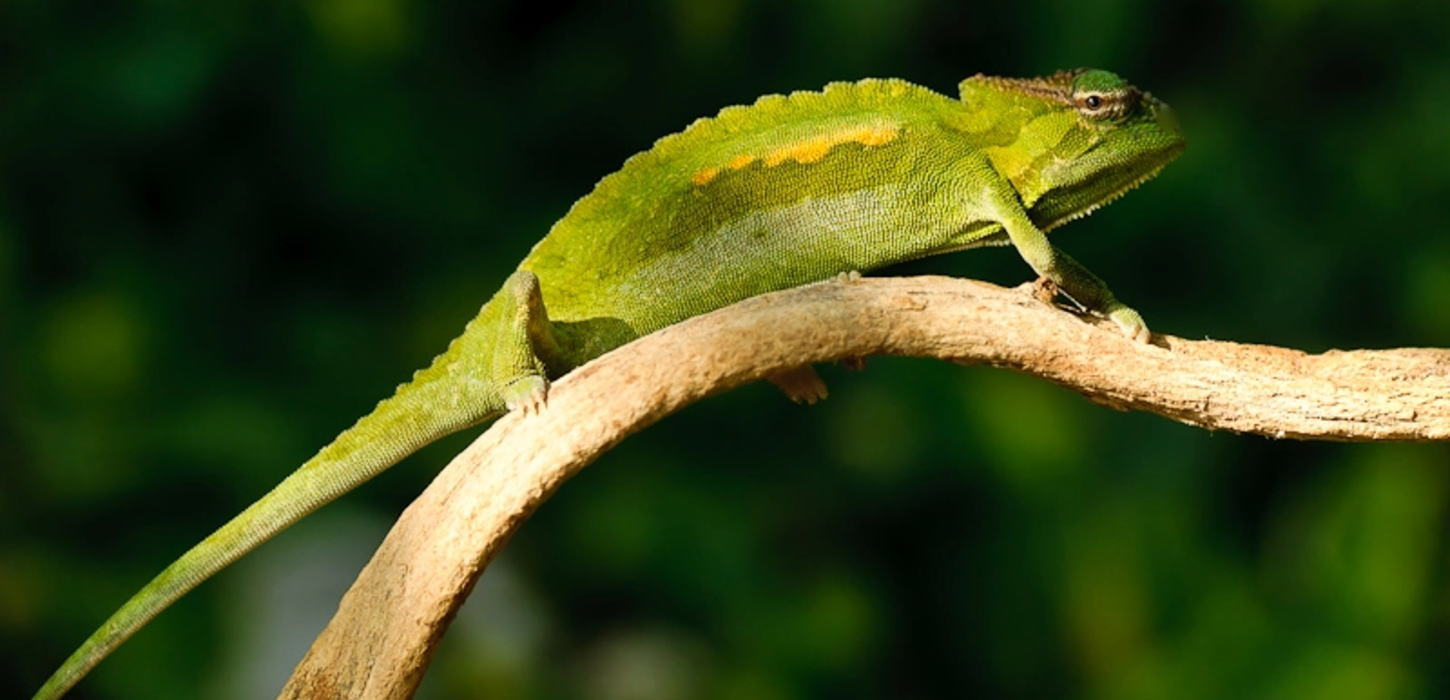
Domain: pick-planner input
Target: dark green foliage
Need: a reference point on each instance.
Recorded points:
(227, 229)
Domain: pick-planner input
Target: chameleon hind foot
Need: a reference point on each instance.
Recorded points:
(527, 394)
(801, 384)
(515, 366)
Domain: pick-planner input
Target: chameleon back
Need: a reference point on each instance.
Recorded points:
(788, 190)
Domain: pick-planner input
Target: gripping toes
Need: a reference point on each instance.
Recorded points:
(801, 384)
(528, 394)
(1130, 323)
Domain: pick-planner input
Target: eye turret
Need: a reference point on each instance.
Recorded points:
(1099, 94)
(1115, 104)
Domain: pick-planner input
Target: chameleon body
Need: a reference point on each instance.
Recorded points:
(789, 190)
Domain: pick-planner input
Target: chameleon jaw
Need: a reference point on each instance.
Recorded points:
(1108, 199)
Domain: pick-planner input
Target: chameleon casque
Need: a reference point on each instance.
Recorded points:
(789, 190)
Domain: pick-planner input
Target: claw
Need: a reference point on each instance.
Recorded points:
(1044, 290)
(800, 384)
(528, 395)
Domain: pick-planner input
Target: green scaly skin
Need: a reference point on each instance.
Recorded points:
(790, 190)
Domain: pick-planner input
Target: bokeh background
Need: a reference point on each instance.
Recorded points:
(227, 228)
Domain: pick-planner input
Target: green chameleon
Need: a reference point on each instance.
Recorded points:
(789, 190)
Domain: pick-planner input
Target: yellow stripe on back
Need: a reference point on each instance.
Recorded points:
(809, 150)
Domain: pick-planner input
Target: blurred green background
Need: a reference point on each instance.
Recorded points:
(227, 228)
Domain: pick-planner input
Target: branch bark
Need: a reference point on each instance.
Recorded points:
(388, 624)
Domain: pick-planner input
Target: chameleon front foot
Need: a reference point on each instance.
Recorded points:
(528, 394)
(800, 384)
(1129, 322)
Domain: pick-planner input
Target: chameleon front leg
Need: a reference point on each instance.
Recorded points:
(525, 333)
(1057, 267)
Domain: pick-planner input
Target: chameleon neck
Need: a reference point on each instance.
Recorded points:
(399, 425)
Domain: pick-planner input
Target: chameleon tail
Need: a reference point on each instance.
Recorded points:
(421, 411)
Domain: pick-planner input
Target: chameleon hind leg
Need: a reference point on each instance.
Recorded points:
(802, 384)
(525, 333)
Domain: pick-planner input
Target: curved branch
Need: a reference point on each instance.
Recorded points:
(388, 624)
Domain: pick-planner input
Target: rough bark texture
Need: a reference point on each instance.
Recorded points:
(388, 624)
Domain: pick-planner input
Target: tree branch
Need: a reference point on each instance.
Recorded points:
(388, 624)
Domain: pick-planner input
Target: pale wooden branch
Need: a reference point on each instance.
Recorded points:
(380, 641)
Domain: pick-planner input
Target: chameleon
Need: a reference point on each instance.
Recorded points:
(789, 190)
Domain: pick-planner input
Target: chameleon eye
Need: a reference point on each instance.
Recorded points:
(1107, 106)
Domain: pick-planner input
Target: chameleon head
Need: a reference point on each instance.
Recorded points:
(1072, 141)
